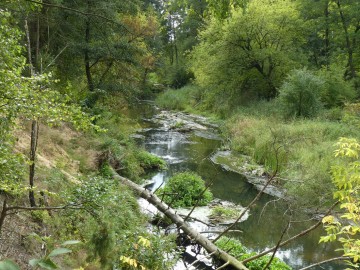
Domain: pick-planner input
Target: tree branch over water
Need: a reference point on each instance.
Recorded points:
(326, 261)
(292, 238)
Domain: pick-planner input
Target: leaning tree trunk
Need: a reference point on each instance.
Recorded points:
(170, 213)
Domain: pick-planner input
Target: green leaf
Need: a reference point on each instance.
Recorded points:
(8, 265)
(47, 264)
(71, 242)
(59, 251)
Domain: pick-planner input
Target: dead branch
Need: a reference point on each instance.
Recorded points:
(223, 266)
(245, 210)
(192, 233)
(277, 245)
(290, 239)
(326, 261)
(197, 202)
(10, 210)
(198, 260)
(198, 220)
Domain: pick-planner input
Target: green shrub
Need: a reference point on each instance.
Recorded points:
(336, 91)
(300, 94)
(150, 161)
(185, 190)
(236, 249)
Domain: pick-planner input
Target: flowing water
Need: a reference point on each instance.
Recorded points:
(268, 218)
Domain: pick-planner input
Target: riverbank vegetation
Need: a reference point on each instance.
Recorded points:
(281, 75)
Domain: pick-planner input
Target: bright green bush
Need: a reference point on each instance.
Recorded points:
(236, 249)
(150, 161)
(336, 91)
(300, 94)
(185, 190)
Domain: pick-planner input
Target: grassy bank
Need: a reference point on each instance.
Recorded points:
(101, 215)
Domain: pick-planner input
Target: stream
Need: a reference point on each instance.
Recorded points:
(191, 149)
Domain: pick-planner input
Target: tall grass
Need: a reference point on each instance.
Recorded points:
(301, 149)
(187, 98)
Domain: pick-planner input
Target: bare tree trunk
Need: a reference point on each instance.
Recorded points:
(170, 213)
(34, 128)
(3, 215)
(33, 147)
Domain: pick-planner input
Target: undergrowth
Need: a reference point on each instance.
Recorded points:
(236, 249)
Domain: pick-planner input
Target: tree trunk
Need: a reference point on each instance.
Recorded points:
(87, 57)
(33, 146)
(170, 213)
(87, 51)
(34, 128)
(350, 73)
(327, 35)
(3, 215)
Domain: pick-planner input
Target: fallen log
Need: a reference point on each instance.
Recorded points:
(179, 221)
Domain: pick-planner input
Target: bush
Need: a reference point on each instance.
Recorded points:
(185, 190)
(150, 161)
(336, 90)
(236, 249)
(300, 94)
